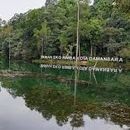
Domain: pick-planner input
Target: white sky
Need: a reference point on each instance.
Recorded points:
(9, 7)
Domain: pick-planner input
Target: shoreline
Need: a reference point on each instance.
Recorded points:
(84, 63)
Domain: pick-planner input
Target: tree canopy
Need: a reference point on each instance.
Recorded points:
(104, 30)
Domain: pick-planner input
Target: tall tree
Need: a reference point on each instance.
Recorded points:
(41, 36)
(50, 2)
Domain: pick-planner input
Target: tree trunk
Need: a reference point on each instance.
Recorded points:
(79, 51)
(91, 50)
(42, 47)
(77, 44)
(61, 51)
(94, 51)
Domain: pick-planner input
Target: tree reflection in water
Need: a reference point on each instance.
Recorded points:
(77, 116)
(71, 103)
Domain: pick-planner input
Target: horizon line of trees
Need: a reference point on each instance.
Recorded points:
(104, 30)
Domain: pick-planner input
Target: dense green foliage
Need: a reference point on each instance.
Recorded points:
(51, 30)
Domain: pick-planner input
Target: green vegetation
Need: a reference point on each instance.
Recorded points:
(104, 29)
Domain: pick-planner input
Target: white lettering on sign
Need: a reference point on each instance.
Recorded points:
(84, 58)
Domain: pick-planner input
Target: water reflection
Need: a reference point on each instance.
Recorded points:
(66, 100)
(15, 116)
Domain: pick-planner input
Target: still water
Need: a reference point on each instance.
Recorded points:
(56, 99)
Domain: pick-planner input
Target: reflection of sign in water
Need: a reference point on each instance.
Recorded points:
(66, 67)
(84, 58)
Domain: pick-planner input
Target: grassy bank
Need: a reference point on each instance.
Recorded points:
(84, 63)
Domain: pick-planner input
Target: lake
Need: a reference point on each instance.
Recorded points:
(63, 99)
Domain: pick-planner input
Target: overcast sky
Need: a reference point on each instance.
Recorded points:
(9, 7)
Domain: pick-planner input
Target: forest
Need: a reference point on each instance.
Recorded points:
(104, 30)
